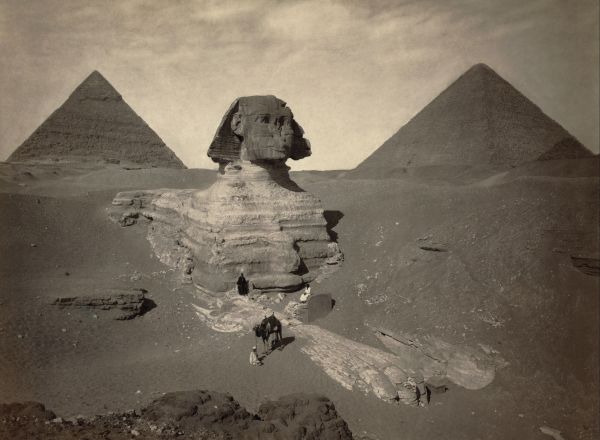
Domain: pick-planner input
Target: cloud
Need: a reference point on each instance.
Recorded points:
(352, 71)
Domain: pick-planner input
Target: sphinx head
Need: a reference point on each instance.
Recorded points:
(258, 128)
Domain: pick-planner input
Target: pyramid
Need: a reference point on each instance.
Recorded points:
(96, 124)
(479, 119)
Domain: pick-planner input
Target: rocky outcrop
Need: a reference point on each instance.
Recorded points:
(390, 375)
(29, 410)
(465, 366)
(254, 219)
(203, 415)
(96, 124)
(122, 304)
(193, 410)
(305, 416)
(588, 266)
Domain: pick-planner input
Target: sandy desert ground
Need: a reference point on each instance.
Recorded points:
(473, 256)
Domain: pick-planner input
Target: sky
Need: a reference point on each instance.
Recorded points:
(353, 72)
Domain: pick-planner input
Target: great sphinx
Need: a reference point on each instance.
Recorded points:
(254, 219)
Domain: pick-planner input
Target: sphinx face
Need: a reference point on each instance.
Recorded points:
(268, 131)
(265, 136)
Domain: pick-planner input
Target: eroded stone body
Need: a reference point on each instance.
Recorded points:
(254, 219)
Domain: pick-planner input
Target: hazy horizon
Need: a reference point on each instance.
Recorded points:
(352, 72)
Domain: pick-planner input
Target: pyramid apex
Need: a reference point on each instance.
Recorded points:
(95, 86)
(95, 73)
(481, 68)
(472, 78)
(96, 76)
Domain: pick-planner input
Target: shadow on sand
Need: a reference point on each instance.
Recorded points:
(332, 218)
(278, 346)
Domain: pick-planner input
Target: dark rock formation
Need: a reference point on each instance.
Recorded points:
(96, 124)
(191, 410)
(305, 416)
(128, 304)
(479, 119)
(203, 415)
(588, 266)
(432, 248)
(30, 410)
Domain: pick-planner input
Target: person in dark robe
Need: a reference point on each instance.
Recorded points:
(242, 285)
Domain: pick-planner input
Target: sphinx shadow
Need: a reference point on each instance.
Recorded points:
(302, 268)
(284, 180)
(332, 218)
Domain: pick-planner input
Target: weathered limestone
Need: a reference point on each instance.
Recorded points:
(126, 303)
(391, 375)
(258, 128)
(471, 368)
(254, 219)
(249, 222)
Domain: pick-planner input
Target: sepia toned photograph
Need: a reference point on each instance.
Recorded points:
(300, 219)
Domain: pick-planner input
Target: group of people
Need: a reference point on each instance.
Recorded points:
(269, 327)
(414, 391)
(243, 290)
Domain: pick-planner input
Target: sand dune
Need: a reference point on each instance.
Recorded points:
(482, 261)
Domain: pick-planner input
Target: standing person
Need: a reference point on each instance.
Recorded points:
(420, 394)
(421, 390)
(306, 294)
(413, 391)
(254, 357)
(242, 285)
